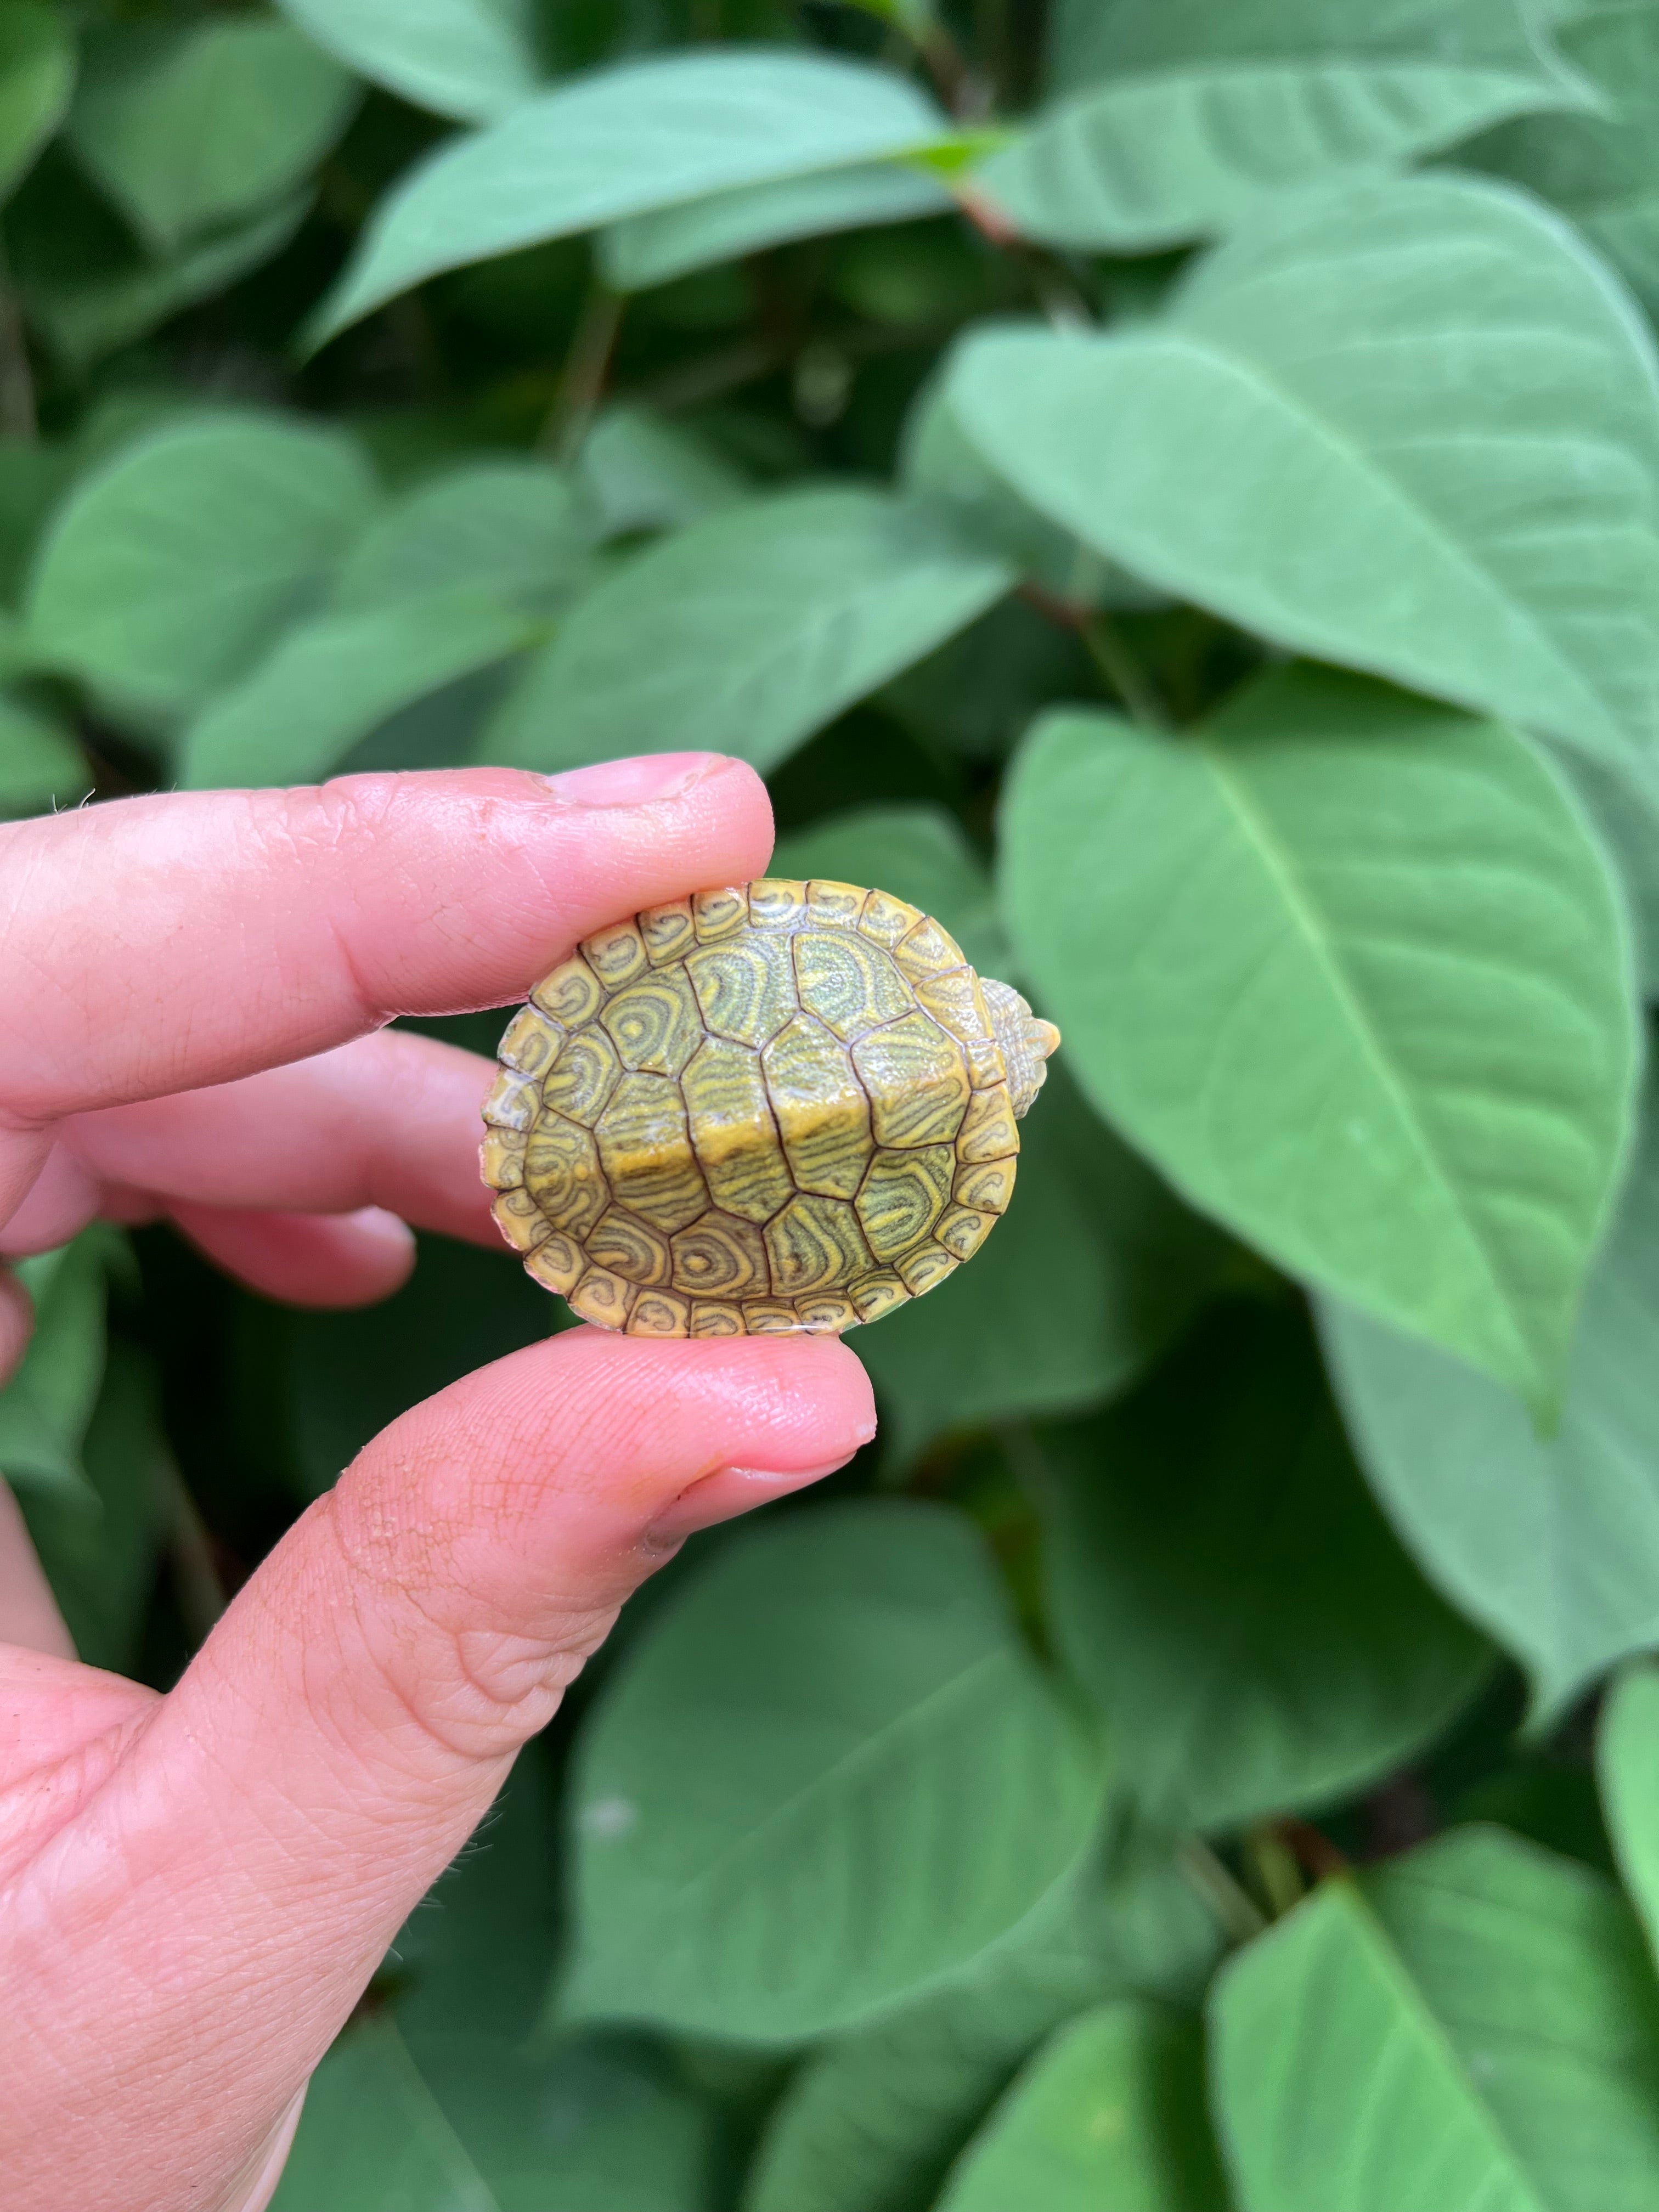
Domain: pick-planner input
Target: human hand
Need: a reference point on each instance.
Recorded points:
(195, 1889)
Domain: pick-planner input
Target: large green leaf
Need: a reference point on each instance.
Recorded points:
(1627, 1763)
(651, 249)
(188, 125)
(1627, 813)
(1471, 2029)
(1110, 2112)
(748, 631)
(1221, 1582)
(372, 2139)
(1600, 169)
(509, 527)
(1090, 1273)
(872, 2121)
(1410, 426)
(171, 569)
(1350, 969)
(41, 765)
(1550, 1542)
(1191, 115)
(330, 682)
(46, 1407)
(590, 2125)
(625, 141)
(637, 470)
(470, 59)
(37, 75)
(827, 1775)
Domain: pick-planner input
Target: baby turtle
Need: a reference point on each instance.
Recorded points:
(775, 1110)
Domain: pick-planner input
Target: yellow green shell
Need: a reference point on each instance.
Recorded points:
(774, 1110)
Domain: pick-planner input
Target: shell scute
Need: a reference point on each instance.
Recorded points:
(917, 1080)
(571, 993)
(927, 949)
(603, 1297)
(520, 1220)
(629, 1247)
(659, 1313)
(889, 919)
(500, 1158)
(963, 1228)
(953, 999)
(654, 1023)
(562, 1173)
(827, 1314)
(558, 1263)
(851, 985)
(711, 1317)
(745, 990)
(777, 903)
(580, 1083)
(530, 1041)
(615, 954)
(989, 1131)
(645, 1146)
(719, 914)
(721, 1257)
(669, 933)
(512, 1102)
(878, 1293)
(814, 1245)
(821, 1110)
(839, 905)
(903, 1195)
(923, 1270)
(733, 1130)
(987, 1187)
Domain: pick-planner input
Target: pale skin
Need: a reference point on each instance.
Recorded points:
(195, 1889)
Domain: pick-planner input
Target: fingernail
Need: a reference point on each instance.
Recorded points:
(634, 782)
(722, 1497)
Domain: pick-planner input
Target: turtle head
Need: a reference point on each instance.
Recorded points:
(1026, 1042)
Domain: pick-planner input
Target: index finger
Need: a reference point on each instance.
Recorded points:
(156, 945)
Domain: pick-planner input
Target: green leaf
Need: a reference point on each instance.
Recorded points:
(1471, 2029)
(1627, 1768)
(1193, 116)
(1350, 969)
(978, 693)
(46, 1407)
(1551, 1543)
(1627, 813)
(872, 2121)
(1435, 384)
(84, 318)
(826, 1775)
(653, 249)
(509, 527)
(1256, 1639)
(1600, 169)
(590, 2125)
(331, 681)
(625, 142)
(1110, 2112)
(472, 59)
(170, 569)
(747, 632)
(41, 766)
(37, 75)
(99, 1542)
(916, 852)
(1093, 1269)
(637, 470)
(372, 2138)
(190, 125)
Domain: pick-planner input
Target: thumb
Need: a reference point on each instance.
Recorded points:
(213, 1910)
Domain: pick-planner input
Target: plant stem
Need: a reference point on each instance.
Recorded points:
(1236, 1911)
(1274, 1866)
(1122, 671)
(17, 413)
(586, 366)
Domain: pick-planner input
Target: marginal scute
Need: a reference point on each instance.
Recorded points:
(988, 1130)
(571, 993)
(823, 1113)
(826, 1314)
(851, 985)
(917, 1080)
(558, 1263)
(659, 1313)
(583, 1077)
(629, 1247)
(669, 933)
(986, 1189)
(710, 1317)
(924, 1269)
(962, 1230)
(720, 1257)
(777, 903)
(839, 905)
(520, 1220)
(715, 915)
(986, 1064)
(927, 949)
(500, 1158)
(954, 1001)
(512, 1102)
(878, 1293)
(732, 1129)
(903, 1195)
(654, 1023)
(770, 1317)
(645, 1147)
(889, 919)
(603, 1297)
(562, 1173)
(615, 954)
(813, 1244)
(745, 990)
(530, 1041)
